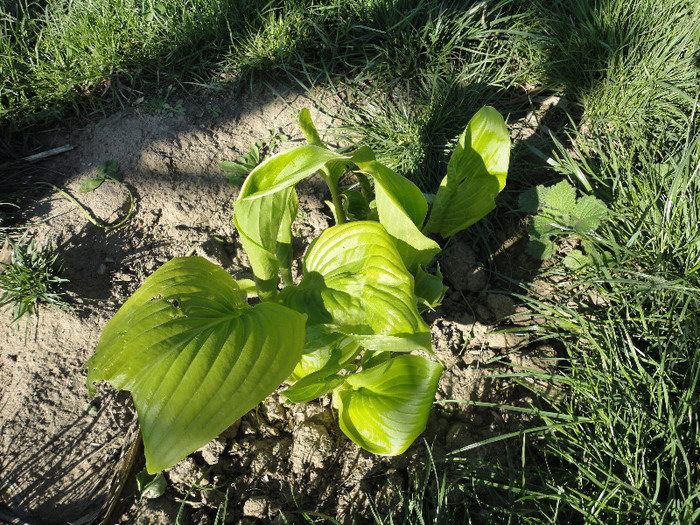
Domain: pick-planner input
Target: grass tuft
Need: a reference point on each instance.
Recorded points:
(30, 276)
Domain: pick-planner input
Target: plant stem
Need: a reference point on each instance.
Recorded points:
(335, 197)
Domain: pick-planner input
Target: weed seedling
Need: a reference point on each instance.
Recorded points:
(239, 169)
(559, 213)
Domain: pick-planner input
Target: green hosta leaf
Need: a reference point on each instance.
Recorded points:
(267, 205)
(402, 209)
(264, 228)
(325, 354)
(355, 278)
(385, 408)
(321, 348)
(285, 169)
(430, 288)
(194, 355)
(356, 206)
(476, 173)
(150, 486)
(315, 385)
(309, 129)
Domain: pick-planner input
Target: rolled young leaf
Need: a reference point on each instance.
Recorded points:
(476, 174)
(267, 205)
(194, 355)
(385, 408)
(402, 209)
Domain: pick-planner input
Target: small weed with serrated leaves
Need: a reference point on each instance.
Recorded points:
(559, 213)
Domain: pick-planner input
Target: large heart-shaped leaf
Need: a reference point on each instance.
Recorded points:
(476, 174)
(355, 279)
(385, 408)
(194, 355)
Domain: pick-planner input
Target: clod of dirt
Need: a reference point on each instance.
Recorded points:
(159, 510)
(311, 449)
(256, 507)
(186, 472)
(501, 305)
(212, 451)
(460, 266)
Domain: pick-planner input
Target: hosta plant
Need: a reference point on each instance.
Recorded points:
(197, 354)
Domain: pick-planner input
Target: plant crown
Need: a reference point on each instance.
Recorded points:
(196, 355)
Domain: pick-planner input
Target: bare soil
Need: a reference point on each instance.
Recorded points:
(60, 462)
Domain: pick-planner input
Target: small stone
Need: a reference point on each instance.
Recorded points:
(256, 507)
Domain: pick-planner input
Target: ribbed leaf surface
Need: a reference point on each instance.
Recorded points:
(355, 277)
(385, 408)
(194, 355)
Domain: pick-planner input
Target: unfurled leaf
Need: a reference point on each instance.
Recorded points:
(476, 174)
(194, 355)
(109, 169)
(355, 279)
(285, 169)
(91, 184)
(386, 407)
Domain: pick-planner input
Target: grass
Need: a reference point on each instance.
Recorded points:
(30, 276)
(621, 442)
